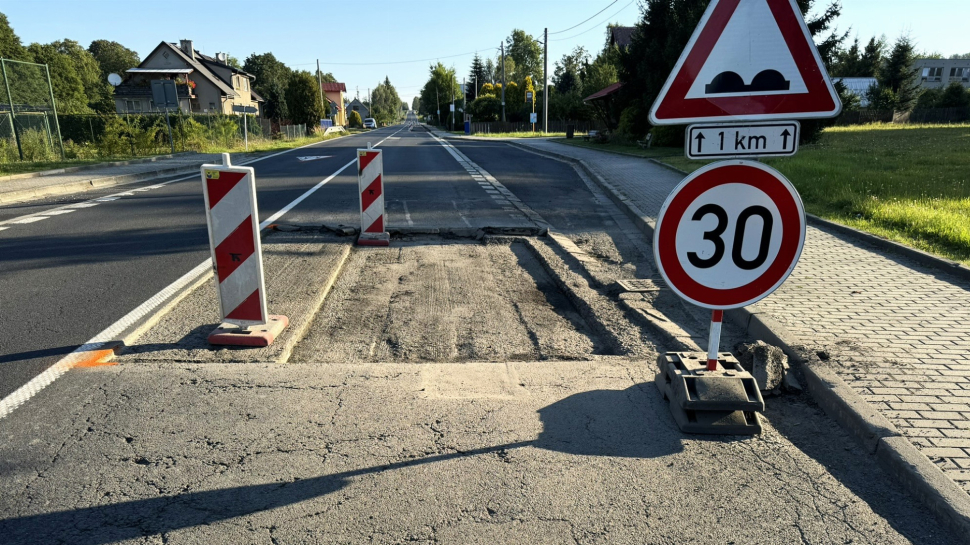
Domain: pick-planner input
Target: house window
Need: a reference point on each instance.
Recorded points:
(961, 73)
(933, 74)
(133, 105)
(212, 106)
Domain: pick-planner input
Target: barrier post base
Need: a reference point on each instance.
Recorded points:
(374, 239)
(257, 335)
(725, 400)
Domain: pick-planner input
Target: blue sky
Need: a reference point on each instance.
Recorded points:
(382, 31)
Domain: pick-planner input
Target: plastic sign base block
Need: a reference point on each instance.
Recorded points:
(257, 335)
(374, 239)
(723, 401)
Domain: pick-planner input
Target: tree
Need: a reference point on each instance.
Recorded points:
(272, 80)
(898, 75)
(416, 104)
(477, 76)
(526, 53)
(872, 57)
(354, 120)
(68, 86)
(303, 100)
(113, 58)
(438, 90)
(566, 75)
(97, 89)
(10, 45)
(275, 106)
(489, 71)
(326, 77)
(233, 62)
(386, 102)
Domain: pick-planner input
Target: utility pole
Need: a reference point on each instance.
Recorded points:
(370, 106)
(454, 108)
(437, 101)
(503, 81)
(545, 82)
(320, 82)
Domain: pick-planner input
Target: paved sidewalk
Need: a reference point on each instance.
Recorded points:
(21, 188)
(897, 332)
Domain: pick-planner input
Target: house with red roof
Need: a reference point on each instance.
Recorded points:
(335, 94)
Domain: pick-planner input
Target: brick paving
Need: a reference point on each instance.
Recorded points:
(897, 331)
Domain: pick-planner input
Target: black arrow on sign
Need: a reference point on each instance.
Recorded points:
(700, 141)
(784, 143)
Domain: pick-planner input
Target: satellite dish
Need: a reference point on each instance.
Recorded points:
(114, 79)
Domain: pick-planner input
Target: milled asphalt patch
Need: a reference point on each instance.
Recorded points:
(300, 268)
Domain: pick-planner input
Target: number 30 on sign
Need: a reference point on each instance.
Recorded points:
(729, 234)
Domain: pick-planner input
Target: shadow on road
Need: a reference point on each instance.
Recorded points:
(595, 423)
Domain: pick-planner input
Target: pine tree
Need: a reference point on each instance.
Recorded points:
(897, 74)
(478, 76)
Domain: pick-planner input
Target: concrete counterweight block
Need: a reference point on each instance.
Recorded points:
(257, 335)
(723, 401)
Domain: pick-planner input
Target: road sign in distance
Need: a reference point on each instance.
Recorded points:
(533, 117)
(747, 60)
(243, 109)
(725, 141)
(729, 234)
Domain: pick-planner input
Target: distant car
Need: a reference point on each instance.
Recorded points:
(370, 123)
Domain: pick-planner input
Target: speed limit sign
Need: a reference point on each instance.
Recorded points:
(729, 234)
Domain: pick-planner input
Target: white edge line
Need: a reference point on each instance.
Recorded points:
(163, 184)
(21, 395)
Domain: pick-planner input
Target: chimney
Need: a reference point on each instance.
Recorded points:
(186, 47)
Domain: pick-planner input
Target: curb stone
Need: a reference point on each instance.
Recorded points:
(96, 183)
(895, 453)
(80, 168)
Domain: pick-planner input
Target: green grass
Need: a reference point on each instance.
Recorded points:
(255, 145)
(518, 134)
(907, 183)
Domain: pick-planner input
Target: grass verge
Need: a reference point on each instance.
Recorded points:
(519, 134)
(22, 167)
(907, 183)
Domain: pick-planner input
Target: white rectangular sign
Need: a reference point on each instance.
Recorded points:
(725, 141)
(533, 117)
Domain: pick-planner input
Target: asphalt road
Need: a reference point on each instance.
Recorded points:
(67, 277)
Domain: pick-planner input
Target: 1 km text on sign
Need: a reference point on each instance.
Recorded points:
(778, 139)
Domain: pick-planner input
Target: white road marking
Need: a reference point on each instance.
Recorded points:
(31, 219)
(107, 199)
(91, 203)
(462, 216)
(407, 214)
(46, 378)
(60, 211)
(4, 228)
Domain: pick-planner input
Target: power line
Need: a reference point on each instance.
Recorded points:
(392, 62)
(594, 15)
(594, 27)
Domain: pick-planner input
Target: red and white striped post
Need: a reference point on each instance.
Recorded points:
(714, 341)
(370, 177)
(233, 221)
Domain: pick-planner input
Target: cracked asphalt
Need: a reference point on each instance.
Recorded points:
(552, 452)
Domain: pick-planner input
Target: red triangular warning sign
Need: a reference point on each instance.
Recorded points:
(747, 60)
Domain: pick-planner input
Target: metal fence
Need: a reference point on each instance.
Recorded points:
(29, 129)
(554, 126)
